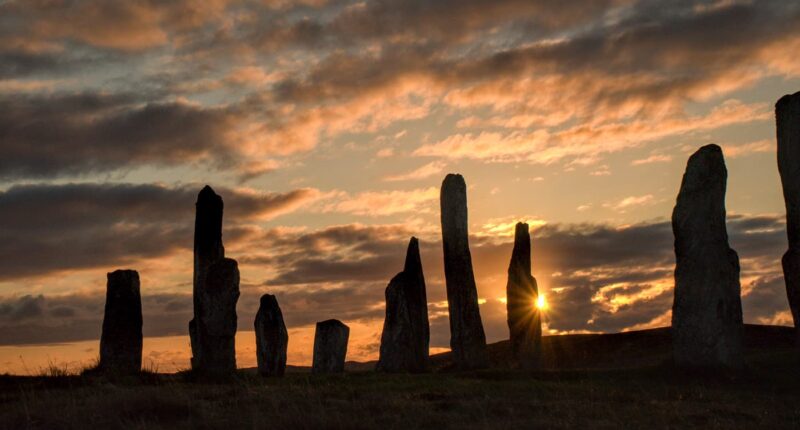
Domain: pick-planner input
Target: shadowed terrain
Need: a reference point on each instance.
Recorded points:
(593, 381)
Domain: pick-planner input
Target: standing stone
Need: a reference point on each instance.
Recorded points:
(524, 320)
(208, 250)
(787, 118)
(467, 339)
(330, 347)
(707, 309)
(271, 338)
(406, 334)
(121, 341)
(216, 320)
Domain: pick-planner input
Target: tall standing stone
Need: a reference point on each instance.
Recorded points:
(707, 309)
(330, 347)
(787, 118)
(121, 341)
(215, 322)
(208, 250)
(522, 292)
(406, 333)
(467, 339)
(271, 338)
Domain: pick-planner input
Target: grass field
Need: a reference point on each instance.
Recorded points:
(644, 392)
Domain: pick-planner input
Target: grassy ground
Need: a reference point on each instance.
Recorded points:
(767, 395)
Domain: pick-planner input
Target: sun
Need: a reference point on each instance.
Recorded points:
(541, 303)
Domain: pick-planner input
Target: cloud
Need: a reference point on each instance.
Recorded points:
(655, 158)
(629, 202)
(100, 225)
(51, 135)
(380, 203)
(545, 81)
(740, 150)
(586, 140)
(597, 278)
(426, 171)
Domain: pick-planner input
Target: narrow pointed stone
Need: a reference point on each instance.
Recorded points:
(406, 333)
(787, 118)
(524, 320)
(121, 340)
(272, 338)
(467, 338)
(216, 320)
(330, 347)
(208, 250)
(707, 309)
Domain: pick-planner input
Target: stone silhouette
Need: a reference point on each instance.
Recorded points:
(330, 347)
(524, 319)
(467, 339)
(215, 322)
(707, 308)
(787, 118)
(271, 338)
(121, 341)
(406, 334)
(208, 250)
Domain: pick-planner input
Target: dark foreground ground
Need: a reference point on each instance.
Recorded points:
(589, 381)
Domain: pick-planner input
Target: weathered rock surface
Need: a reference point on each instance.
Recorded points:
(467, 338)
(707, 309)
(216, 319)
(121, 341)
(406, 333)
(208, 250)
(787, 118)
(272, 338)
(330, 347)
(524, 319)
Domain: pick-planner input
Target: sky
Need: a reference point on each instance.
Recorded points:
(327, 127)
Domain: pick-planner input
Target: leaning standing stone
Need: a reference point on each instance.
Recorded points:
(707, 309)
(216, 321)
(406, 334)
(330, 347)
(208, 250)
(121, 341)
(524, 320)
(467, 339)
(271, 338)
(787, 117)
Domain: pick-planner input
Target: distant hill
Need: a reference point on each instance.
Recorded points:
(631, 349)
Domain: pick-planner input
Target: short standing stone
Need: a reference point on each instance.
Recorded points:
(522, 292)
(406, 334)
(787, 117)
(707, 310)
(121, 341)
(467, 338)
(330, 347)
(208, 250)
(271, 338)
(216, 321)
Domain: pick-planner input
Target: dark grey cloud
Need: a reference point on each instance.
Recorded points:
(341, 272)
(79, 317)
(663, 52)
(575, 261)
(680, 47)
(47, 228)
(52, 135)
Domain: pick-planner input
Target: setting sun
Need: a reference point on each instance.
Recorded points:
(541, 303)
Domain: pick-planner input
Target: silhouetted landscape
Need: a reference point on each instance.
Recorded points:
(397, 214)
(595, 381)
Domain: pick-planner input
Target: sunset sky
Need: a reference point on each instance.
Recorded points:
(327, 128)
